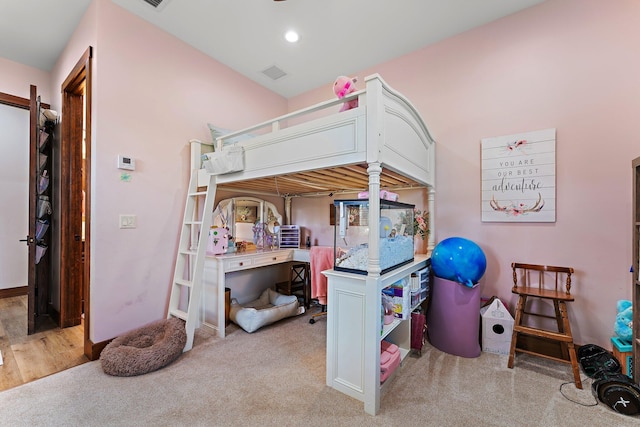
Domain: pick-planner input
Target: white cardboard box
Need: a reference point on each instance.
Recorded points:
(497, 328)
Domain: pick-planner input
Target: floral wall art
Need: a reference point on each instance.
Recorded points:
(246, 214)
(519, 177)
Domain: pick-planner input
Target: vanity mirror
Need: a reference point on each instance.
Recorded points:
(249, 219)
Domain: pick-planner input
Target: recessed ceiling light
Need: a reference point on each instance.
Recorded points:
(291, 36)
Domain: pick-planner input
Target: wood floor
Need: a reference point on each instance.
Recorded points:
(29, 357)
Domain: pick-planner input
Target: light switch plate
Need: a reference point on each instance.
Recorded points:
(128, 221)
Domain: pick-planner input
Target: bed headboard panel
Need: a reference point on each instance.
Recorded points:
(398, 137)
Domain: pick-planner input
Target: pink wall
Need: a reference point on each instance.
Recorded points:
(572, 65)
(152, 94)
(16, 79)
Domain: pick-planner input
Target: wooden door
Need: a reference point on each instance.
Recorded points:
(71, 238)
(75, 196)
(31, 242)
(38, 277)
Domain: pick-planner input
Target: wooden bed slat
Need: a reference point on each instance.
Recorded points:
(352, 178)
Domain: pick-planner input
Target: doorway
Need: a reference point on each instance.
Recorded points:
(14, 191)
(32, 344)
(75, 197)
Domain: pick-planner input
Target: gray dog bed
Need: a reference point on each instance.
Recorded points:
(145, 349)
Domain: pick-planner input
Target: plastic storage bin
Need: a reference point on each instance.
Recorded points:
(400, 294)
(289, 236)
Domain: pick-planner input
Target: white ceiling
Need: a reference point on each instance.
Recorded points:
(337, 37)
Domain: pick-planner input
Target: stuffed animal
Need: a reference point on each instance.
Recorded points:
(342, 87)
(623, 326)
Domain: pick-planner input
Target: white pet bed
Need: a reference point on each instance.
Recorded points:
(269, 308)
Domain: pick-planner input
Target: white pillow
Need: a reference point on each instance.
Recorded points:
(217, 132)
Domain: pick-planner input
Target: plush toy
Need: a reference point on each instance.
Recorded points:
(623, 326)
(342, 87)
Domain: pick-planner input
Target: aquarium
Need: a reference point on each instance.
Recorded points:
(394, 232)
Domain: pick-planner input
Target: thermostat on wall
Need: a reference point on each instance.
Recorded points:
(127, 163)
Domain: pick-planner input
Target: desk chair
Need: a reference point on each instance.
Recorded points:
(559, 294)
(322, 312)
(299, 283)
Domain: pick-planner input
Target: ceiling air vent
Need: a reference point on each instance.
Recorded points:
(156, 4)
(274, 73)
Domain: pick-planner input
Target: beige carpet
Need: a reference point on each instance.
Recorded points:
(276, 377)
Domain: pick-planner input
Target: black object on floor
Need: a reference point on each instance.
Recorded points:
(610, 385)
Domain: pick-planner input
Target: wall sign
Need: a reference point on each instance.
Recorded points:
(519, 177)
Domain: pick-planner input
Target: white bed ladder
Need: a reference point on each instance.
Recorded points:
(186, 288)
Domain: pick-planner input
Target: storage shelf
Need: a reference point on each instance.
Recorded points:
(418, 304)
(635, 259)
(386, 330)
(356, 303)
(404, 353)
(289, 237)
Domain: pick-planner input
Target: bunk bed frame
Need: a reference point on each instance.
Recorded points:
(381, 144)
(333, 153)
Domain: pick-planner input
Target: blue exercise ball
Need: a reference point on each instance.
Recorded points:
(460, 260)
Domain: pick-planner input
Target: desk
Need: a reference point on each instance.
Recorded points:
(217, 267)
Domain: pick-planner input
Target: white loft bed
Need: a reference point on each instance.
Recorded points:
(383, 143)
